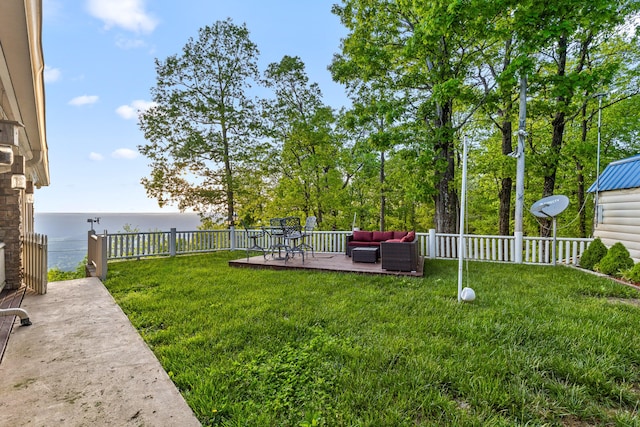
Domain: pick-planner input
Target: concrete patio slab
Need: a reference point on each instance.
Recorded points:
(81, 363)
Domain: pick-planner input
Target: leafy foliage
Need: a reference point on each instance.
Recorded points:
(615, 261)
(57, 275)
(202, 131)
(593, 254)
(421, 75)
(633, 274)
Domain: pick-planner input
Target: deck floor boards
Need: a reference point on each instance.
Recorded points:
(336, 262)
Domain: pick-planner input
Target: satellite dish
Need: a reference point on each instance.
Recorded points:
(550, 207)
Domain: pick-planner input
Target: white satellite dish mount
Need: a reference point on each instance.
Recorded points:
(550, 207)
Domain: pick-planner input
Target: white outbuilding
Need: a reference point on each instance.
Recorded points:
(617, 194)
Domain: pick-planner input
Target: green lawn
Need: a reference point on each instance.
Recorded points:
(539, 346)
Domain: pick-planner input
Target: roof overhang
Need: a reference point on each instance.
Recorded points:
(619, 175)
(22, 97)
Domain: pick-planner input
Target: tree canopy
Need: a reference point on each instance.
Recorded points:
(420, 75)
(202, 131)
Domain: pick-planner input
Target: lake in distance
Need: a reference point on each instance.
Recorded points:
(67, 232)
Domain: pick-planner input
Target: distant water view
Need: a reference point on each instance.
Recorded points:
(67, 232)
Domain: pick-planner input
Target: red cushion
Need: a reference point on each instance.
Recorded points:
(399, 234)
(381, 236)
(362, 236)
(409, 237)
(394, 241)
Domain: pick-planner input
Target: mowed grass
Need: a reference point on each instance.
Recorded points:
(539, 346)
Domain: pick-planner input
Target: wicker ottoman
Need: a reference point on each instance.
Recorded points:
(365, 255)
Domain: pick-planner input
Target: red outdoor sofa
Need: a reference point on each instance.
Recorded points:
(399, 250)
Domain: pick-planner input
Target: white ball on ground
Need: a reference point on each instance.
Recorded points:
(468, 295)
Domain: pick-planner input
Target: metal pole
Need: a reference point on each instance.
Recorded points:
(595, 209)
(553, 249)
(519, 208)
(463, 201)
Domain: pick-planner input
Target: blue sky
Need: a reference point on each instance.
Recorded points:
(99, 59)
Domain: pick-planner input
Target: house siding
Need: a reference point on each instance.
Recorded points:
(620, 220)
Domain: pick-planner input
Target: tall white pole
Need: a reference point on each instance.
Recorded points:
(519, 208)
(463, 201)
(595, 210)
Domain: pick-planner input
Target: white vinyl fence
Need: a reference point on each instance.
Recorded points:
(536, 250)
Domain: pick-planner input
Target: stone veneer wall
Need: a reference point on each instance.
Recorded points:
(11, 225)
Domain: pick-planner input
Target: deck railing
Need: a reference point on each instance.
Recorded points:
(34, 255)
(536, 250)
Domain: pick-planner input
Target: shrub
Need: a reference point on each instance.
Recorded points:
(632, 275)
(615, 261)
(593, 254)
(57, 275)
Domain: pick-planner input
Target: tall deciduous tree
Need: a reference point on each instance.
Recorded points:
(376, 115)
(430, 47)
(201, 131)
(573, 34)
(300, 125)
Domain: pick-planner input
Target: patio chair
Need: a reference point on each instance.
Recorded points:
(292, 235)
(307, 233)
(255, 237)
(276, 235)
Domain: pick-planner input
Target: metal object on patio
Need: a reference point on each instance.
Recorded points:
(307, 233)
(292, 230)
(255, 236)
(276, 239)
(21, 313)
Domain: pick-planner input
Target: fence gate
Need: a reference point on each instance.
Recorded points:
(34, 255)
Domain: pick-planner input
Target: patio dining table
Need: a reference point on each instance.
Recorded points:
(284, 234)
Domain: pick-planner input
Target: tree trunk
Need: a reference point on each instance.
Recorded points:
(581, 198)
(579, 169)
(446, 197)
(504, 215)
(551, 166)
(228, 178)
(506, 184)
(559, 121)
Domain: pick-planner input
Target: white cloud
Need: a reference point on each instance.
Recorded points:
(136, 107)
(126, 43)
(124, 153)
(51, 74)
(83, 100)
(127, 14)
(96, 156)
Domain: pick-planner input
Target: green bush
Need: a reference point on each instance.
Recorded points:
(57, 275)
(615, 261)
(632, 275)
(593, 254)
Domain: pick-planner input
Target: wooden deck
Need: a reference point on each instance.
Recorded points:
(322, 262)
(8, 299)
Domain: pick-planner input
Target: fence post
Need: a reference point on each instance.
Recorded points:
(518, 246)
(101, 256)
(432, 243)
(232, 234)
(172, 242)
